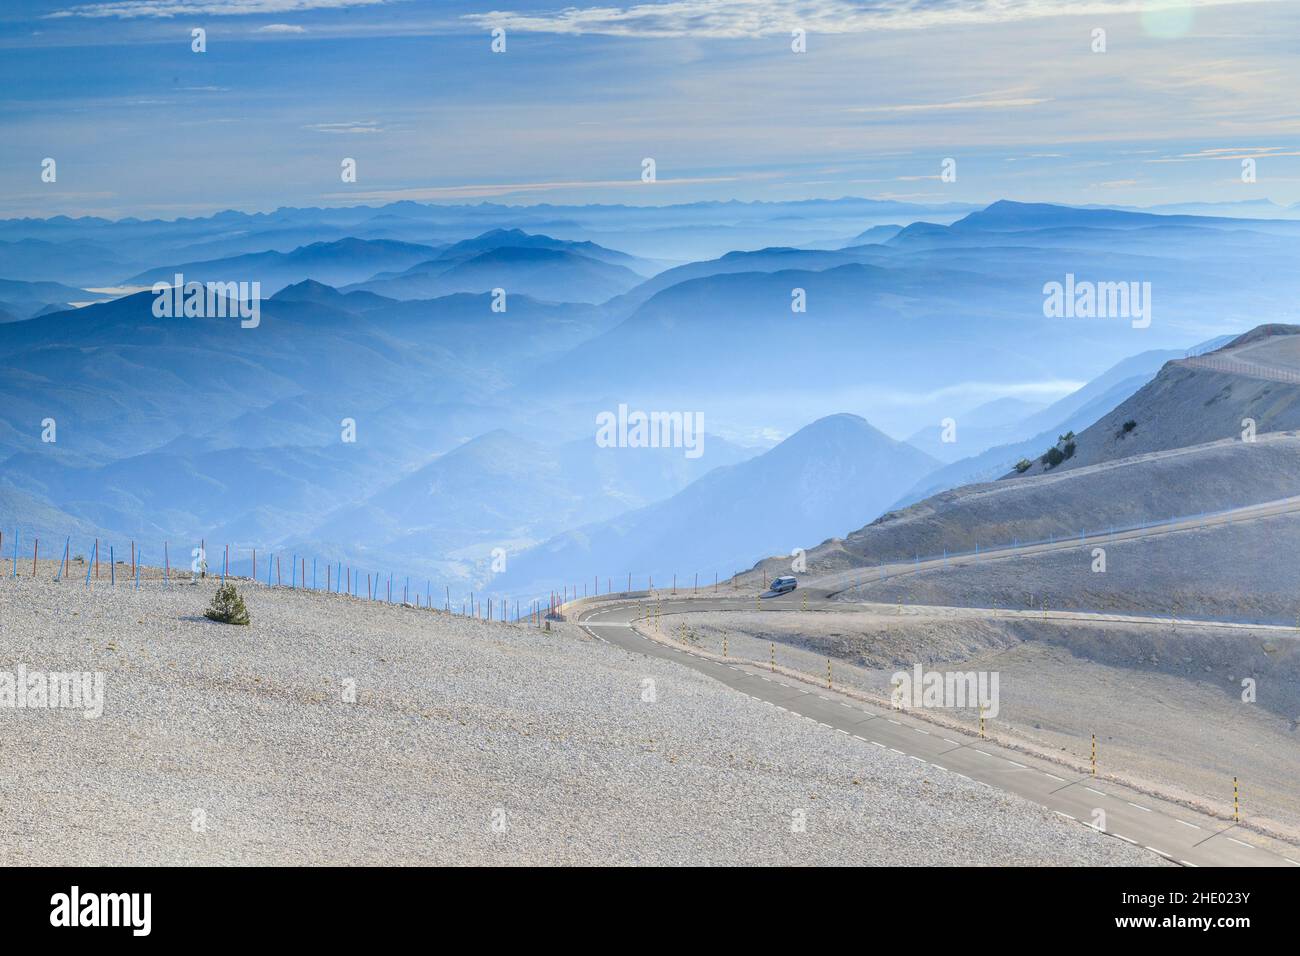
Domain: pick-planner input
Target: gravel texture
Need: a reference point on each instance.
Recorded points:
(455, 721)
(1165, 700)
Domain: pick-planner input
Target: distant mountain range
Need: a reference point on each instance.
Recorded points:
(827, 476)
(334, 263)
(474, 426)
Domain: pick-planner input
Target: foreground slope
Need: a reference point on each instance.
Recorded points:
(456, 723)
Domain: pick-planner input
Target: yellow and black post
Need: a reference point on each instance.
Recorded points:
(1236, 802)
(1094, 755)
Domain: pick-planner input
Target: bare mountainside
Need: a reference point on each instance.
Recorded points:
(1128, 492)
(1199, 399)
(466, 743)
(1184, 455)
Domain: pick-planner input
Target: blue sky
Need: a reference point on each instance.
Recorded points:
(140, 125)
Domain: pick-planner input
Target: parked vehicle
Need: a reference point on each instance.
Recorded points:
(784, 583)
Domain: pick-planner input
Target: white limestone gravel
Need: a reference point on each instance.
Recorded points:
(228, 745)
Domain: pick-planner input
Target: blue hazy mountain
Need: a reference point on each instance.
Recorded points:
(833, 474)
(23, 300)
(518, 239)
(196, 427)
(1040, 430)
(500, 490)
(554, 275)
(984, 426)
(334, 263)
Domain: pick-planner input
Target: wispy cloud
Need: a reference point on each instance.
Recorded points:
(136, 9)
(362, 128)
(280, 28)
(484, 190)
(966, 104)
(755, 18)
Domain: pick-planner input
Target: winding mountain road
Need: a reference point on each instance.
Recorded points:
(1165, 828)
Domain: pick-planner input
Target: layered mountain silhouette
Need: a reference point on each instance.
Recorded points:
(827, 476)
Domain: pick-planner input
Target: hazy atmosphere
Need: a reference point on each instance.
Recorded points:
(803, 432)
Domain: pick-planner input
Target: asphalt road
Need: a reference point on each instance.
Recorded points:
(1172, 831)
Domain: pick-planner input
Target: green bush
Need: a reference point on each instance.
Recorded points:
(1128, 426)
(1023, 465)
(227, 606)
(1053, 457)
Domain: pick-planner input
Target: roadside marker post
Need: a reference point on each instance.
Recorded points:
(35, 545)
(724, 645)
(1236, 802)
(981, 722)
(1094, 755)
(828, 673)
(112, 567)
(772, 649)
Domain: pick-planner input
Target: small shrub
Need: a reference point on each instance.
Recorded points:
(227, 606)
(1064, 438)
(1053, 457)
(1068, 450)
(1023, 465)
(1128, 426)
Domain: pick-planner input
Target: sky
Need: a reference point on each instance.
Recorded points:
(1012, 90)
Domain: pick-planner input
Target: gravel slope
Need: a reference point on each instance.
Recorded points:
(1165, 701)
(453, 720)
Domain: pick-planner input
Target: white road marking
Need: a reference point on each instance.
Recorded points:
(1155, 849)
(1138, 806)
(1097, 792)
(1240, 843)
(1125, 839)
(1053, 776)
(1187, 863)
(897, 751)
(1066, 815)
(1020, 765)
(978, 751)
(1186, 824)
(878, 744)
(920, 731)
